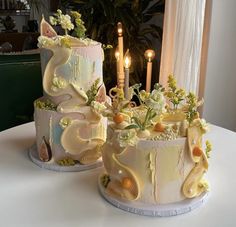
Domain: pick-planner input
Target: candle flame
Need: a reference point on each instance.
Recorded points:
(127, 62)
(119, 29)
(127, 59)
(149, 54)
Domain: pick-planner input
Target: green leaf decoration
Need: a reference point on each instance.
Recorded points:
(131, 127)
(174, 94)
(92, 92)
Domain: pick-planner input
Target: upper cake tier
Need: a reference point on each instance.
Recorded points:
(69, 65)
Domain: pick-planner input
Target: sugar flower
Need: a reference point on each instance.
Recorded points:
(201, 123)
(98, 107)
(63, 20)
(45, 42)
(128, 138)
(156, 101)
(58, 83)
(64, 122)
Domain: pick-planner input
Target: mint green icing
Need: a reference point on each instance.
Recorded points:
(57, 131)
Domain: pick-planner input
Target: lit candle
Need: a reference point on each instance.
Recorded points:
(127, 63)
(121, 76)
(149, 55)
(117, 56)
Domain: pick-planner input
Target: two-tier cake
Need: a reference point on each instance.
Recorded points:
(69, 128)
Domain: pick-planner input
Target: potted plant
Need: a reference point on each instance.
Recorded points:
(8, 23)
(101, 18)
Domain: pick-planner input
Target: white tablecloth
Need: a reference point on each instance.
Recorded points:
(30, 196)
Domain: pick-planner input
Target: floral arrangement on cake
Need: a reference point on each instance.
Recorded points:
(73, 27)
(162, 114)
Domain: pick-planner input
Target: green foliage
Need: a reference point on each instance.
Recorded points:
(46, 105)
(101, 18)
(142, 125)
(175, 95)
(92, 92)
(79, 24)
(192, 104)
(105, 179)
(136, 92)
(208, 148)
(66, 162)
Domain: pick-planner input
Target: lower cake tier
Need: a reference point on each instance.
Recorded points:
(153, 210)
(68, 139)
(151, 172)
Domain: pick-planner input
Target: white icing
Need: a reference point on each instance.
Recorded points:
(160, 167)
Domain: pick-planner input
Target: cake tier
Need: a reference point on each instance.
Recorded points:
(67, 71)
(151, 172)
(68, 138)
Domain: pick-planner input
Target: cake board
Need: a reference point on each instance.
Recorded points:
(33, 155)
(162, 210)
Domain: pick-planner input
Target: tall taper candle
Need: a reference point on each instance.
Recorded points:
(117, 55)
(149, 76)
(149, 55)
(121, 57)
(127, 64)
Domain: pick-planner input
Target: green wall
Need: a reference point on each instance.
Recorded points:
(20, 85)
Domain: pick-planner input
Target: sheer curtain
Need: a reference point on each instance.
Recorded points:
(182, 42)
(39, 8)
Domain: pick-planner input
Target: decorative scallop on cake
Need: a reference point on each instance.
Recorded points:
(69, 127)
(153, 156)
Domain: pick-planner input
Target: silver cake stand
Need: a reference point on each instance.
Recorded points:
(167, 210)
(33, 155)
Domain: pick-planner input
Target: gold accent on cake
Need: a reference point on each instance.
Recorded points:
(90, 156)
(194, 185)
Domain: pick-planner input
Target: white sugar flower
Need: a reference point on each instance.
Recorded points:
(65, 21)
(97, 106)
(58, 83)
(156, 101)
(53, 20)
(128, 138)
(45, 42)
(59, 11)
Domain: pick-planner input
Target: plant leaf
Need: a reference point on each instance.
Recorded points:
(131, 127)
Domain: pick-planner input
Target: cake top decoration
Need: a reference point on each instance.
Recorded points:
(73, 27)
(162, 114)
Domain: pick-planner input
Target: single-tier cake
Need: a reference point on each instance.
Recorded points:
(69, 128)
(153, 155)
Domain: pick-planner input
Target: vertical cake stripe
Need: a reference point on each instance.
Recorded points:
(155, 178)
(50, 131)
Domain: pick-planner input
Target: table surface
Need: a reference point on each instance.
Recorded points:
(31, 196)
